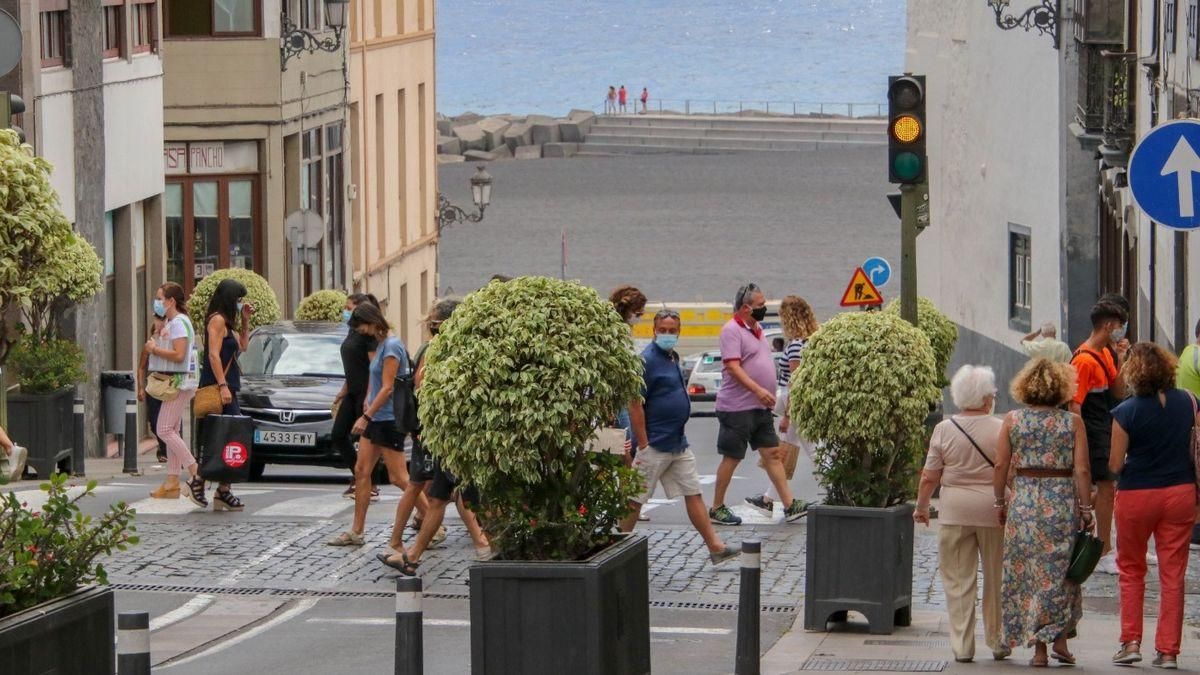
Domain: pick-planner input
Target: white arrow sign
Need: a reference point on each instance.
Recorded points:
(1183, 162)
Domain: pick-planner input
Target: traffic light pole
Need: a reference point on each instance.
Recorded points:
(911, 196)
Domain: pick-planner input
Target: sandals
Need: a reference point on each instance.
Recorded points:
(1065, 658)
(1036, 662)
(406, 567)
(196, 492)
(224, 500)
(347, 538)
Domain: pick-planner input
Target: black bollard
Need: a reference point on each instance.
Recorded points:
(409, 650)
(78, 451)
(749, 607)
(133, 643)
(131, 437)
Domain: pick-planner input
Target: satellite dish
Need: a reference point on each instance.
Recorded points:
(304, 228)
(10, 43)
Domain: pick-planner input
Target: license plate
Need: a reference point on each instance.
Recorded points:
(303, 438)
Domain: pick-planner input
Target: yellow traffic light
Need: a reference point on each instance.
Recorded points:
(906, 128)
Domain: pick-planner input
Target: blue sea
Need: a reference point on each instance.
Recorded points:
(549, 56)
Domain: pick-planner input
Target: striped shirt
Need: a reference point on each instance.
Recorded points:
(784, 362)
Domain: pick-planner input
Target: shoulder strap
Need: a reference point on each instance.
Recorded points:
(977, 448)
(1097, 359)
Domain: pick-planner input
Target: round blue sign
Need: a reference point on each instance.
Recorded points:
(1162, 173)
(878, 271)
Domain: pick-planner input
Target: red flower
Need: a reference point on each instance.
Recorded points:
(533, 522)
(582, 510)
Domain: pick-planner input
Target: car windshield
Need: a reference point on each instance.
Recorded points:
(293, 354)
(709, 363)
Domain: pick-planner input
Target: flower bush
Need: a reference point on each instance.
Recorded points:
(49, 553)
(862, 392)
(258, 293)
(324, 305)
(941, 331)
(515, 384)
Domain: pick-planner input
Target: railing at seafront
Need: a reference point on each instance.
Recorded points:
(708, 107)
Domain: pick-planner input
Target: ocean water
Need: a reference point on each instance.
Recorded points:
(548, 56)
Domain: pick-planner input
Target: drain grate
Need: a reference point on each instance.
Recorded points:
(908, 643)
(718, 606)
(875, 665)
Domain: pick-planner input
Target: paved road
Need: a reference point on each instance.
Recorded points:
(683, 228)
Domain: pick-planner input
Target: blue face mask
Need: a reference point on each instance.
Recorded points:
(666, 341)
(160, 308)
(346, 316)
(240, 305)
(1119, 334)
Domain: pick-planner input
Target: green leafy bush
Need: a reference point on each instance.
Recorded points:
(45, 366)
(515, 384)
(941, 331)
(258, 293)
(862, 392)
(48, 553)
(322, 306)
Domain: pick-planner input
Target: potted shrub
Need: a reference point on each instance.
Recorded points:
(258, 293)
(55, 616)
(862, 393)
(515, 384)
(324, 305)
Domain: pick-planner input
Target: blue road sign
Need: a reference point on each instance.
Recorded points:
(1162, 169)
(878, 271)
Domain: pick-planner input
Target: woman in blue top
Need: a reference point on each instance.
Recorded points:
(376, 427)
(222, 344)
(1156, 495)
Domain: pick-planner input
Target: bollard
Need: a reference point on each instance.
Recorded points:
(133, 643)
(130, 441)
(79, 450)
(409, 651)
(749, 606)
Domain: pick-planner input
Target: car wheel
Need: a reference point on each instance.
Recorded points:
(257, 469)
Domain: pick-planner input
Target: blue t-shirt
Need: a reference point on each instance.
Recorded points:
(391, 348)
(667, 404)
(1159, 453)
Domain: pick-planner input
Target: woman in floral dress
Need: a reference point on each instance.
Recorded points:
(1042, 457)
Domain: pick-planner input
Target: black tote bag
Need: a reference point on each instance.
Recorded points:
(225, 452)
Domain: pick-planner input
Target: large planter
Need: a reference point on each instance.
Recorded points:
(73, 634)
(589, 617)
(43, 423)
(859, 559)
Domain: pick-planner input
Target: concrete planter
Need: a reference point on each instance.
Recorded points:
(589, 617)
(43, 423)
(860, 560)
(73, 634)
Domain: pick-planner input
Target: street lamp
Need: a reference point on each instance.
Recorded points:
(481, 194)
(295, 41)
(1042, 17)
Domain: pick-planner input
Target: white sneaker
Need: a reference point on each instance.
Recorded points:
(1151, 558)
(1107, 564)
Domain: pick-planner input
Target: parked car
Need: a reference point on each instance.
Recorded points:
(688, 364)
(291, 374)
(704, 378)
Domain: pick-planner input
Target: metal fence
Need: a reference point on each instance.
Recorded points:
(744, 108)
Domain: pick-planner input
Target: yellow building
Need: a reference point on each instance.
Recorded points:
(393, 235)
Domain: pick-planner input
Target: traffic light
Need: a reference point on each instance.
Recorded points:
(906, 129)
(11, 104)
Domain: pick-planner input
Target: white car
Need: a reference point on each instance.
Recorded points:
(706, 376)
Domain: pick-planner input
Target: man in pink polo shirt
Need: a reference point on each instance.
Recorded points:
(745, 403)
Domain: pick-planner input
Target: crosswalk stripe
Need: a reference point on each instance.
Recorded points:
(35, 499)
(320, 506)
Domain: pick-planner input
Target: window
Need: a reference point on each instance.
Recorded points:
(310, 15)
(402, 165)
(311, 194)
(213, 18)
(1020, 274)
(114, 25)
(1170, 18)
(334, 197)
(144, 25)
(211, 225)
(54, 32)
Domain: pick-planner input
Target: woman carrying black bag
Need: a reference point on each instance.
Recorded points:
(357, 350)
(219, 366)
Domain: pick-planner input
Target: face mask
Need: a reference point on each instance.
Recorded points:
(346, 316)
(666, 341)
(633, 320)
(160, 308)
(1119, 334)
(240, 305)
(759, 313)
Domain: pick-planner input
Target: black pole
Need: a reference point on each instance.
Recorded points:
(749, 606)
(409, 651)
(133, 643)
(78, 451)
(131, 437)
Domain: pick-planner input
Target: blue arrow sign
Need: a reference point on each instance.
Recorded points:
(878, 271)
(1162, 169)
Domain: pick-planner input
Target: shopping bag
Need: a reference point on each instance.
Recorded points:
(12, 467)
(225, 452)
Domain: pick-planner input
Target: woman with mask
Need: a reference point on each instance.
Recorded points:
(170, 353)
(143, 372)
(227, 308)
(357, 350)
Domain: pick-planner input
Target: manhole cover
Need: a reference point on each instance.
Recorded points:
(876, 665)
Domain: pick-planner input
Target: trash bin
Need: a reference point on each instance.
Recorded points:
(117, 388)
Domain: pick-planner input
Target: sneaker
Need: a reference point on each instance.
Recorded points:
(761, 504)
(1165, 661)
(797, 510)
(1107, 564)
(1151, 558)
(723, 516)
(1002, 653)
(723, 555)
(1129, 654)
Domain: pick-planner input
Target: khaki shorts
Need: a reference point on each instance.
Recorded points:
(675, 471)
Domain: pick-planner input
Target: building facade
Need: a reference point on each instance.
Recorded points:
(394, 236)
(91, 75)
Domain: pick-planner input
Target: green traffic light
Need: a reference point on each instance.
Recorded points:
(906, 166)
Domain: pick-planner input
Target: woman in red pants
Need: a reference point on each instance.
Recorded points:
(1156, 495)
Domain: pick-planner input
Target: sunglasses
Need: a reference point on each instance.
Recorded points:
(666, 314)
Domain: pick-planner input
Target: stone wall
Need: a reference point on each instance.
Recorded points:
(472, 137)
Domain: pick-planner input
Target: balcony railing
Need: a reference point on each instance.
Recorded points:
(1120, 77)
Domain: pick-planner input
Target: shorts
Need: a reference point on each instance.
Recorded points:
(385, 435)
(740, 428)
(675, 471)
(1099, 446)
(422, 467)
(444, 485)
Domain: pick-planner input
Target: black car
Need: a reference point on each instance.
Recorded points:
(291, 374)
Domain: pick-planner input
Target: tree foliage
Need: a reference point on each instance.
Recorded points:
(258, 293)
(941, 331)
(862, 392)
(324, 305)
(515, 384)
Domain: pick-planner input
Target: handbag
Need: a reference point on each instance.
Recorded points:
(208, 398)
(1195, 449)
(1085, 553)
(162, 386)
(404, 400)
(609, 440)
(225, 453)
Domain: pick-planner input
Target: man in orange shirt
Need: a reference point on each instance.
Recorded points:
(1097, 363)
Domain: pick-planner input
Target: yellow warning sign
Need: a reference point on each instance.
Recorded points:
(861, 292)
